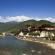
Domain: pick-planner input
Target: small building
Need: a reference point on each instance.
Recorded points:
(3, 33)
(44, 34)
(50, 28)
(21, 34)
(27, 34)
(47, 27)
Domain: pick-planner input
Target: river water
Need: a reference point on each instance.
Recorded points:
(9, 45)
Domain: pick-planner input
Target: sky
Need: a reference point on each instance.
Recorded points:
(22, 10)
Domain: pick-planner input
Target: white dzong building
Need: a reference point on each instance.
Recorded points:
(21, 34)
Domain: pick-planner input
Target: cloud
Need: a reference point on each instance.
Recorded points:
(23, 18)
(48, 19)
(14, 18)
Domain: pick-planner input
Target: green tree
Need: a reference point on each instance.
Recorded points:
(35, 34)
(0, 33)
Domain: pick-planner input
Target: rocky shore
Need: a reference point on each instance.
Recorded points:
(50, 44)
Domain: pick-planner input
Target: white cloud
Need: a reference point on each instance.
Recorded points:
(48, 19)
(14, 18)
(23, 18)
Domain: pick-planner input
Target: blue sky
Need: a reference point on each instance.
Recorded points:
(42, 8)
(30, 8)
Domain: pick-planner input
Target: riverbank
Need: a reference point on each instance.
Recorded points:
(50, 44)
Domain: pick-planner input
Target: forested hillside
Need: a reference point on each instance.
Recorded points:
(10, 26)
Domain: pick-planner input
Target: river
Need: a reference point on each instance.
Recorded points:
(9, 45)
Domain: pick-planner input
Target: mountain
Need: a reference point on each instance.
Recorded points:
(9, 26)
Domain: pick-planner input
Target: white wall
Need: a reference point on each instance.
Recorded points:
(21, 34)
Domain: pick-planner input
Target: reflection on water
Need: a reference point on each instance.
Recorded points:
(23, 54)
(11, 46)
(33, 50)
